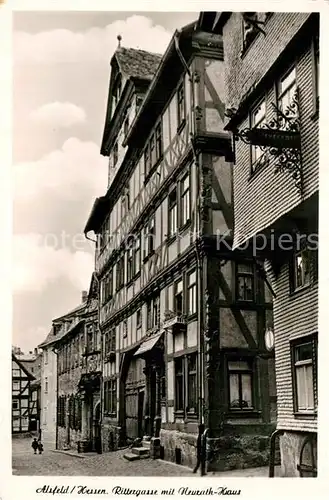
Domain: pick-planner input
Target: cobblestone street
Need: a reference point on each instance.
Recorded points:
(51, 463)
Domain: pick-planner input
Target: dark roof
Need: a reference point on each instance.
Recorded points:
(137, 63)
(22, 367)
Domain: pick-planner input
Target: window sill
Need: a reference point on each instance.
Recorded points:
(185, 226)
(300, 290)
(191, 317)
(311, 415)
(145, 259)
(243, 413)
(170, 239)
(119, 288)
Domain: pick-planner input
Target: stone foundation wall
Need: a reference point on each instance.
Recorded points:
(179, 447)
(238, 452)
(290, 446)
(111, 436)
(75, 437)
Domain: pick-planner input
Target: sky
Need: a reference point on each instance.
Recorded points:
(61, 69)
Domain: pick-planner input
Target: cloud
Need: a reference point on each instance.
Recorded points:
(93, 45)
(74, 172)
(37, 264)
(59, 114)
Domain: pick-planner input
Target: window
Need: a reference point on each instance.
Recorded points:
(185, 199)
(107, 287)
(158, 142)
(61, 411)
(110, 341)
(172, 205)
(301, 268)
(115, 154)
(139, 102)
(153, 149)
(46, 385)
(125, 328)
(304, 363)
(139, 318)
(179, 385)
(252, 24)
(130, 263)
(16, 372)
(178, 297)
(90, 339)
(46, 356)
(15, 404)
(245, 280)
(240, 385)
(16, 386)
(120, 272)
(110, 396)
(153, 313)
(286, 91)
(258, 119)
(192, 383)
(137, 255)
(149, 237)
(191, 293)
(181, 105)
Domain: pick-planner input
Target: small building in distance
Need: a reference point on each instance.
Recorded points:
(21, 386)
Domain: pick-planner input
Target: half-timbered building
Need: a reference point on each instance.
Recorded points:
(79, 376)
(21, 381)
(182, 317)
(272, 89)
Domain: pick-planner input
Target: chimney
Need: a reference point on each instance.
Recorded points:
(84, 296)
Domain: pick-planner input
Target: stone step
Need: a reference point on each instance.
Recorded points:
(141, 450)
(146, 444)
(131, 457)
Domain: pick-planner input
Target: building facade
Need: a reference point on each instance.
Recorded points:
(182, 316)
(78, 374)
(272, 94)
(48, 389)
(21, 381)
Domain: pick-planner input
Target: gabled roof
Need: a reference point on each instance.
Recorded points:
(22, 367)
(136, 63)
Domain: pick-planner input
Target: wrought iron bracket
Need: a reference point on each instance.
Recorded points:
(280, 138)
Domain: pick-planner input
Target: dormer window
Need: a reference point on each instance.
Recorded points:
(252, 25)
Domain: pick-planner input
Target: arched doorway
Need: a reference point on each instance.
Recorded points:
(97, 428)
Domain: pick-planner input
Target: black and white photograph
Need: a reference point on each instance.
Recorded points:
(165, 244)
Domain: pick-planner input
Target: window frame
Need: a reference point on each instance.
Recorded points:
(194, 373)
(245, 274)
(181, 105)
(179, 409)
(110, 396)
(294, 345)
(192, 286)
(153, 151)
(173, 209)
(282, 93)
(261, 160)
(248, 371)
(178, 293)
(185, 219)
